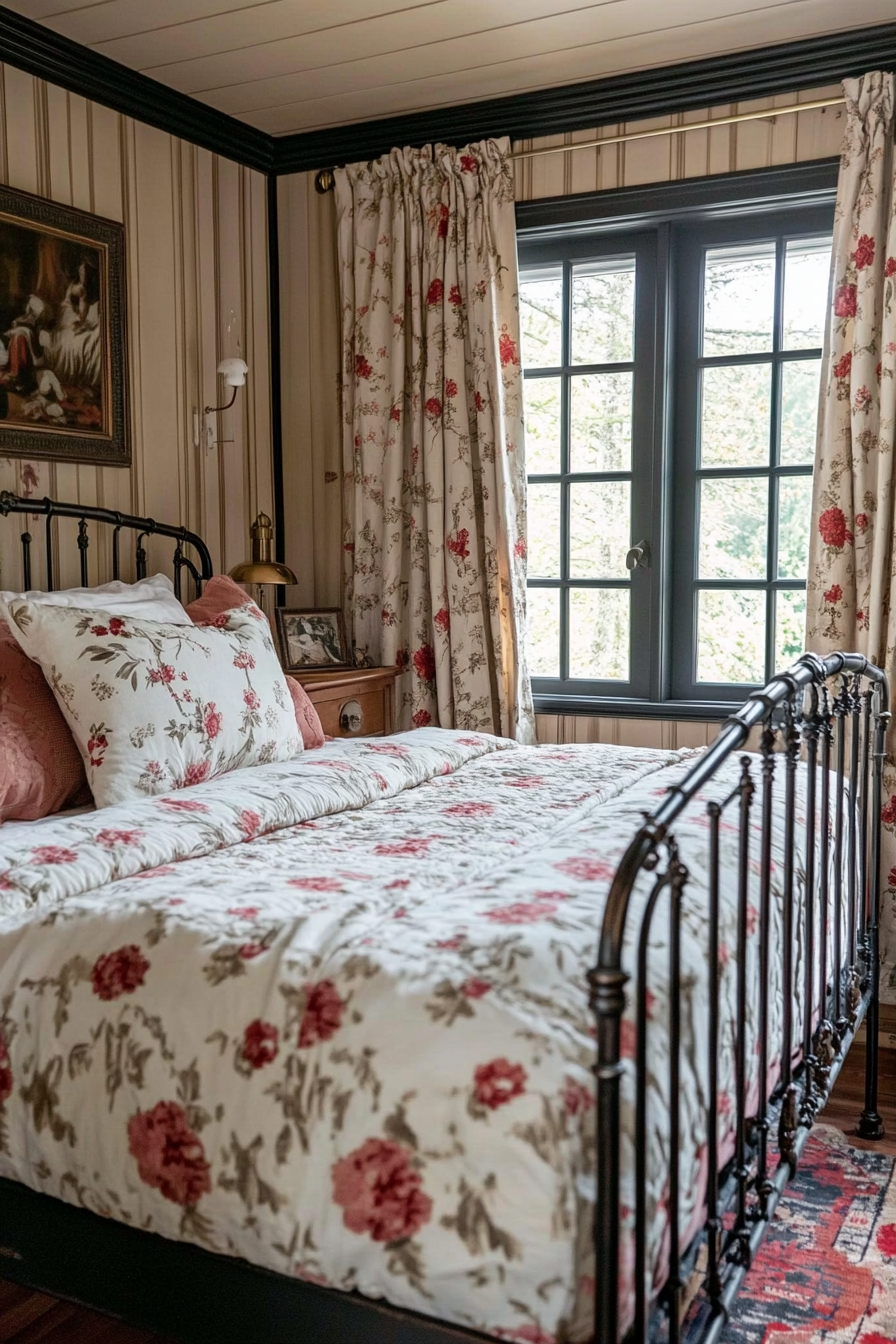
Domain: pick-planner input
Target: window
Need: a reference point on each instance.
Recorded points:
(671, 383)
(589, 387)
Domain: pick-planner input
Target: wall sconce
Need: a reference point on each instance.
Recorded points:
(262, 572)
(233, 371)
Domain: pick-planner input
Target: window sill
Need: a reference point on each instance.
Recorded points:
(608, 707)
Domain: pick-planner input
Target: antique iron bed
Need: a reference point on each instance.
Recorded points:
(826, 718)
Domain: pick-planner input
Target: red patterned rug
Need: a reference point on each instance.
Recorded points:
(826, 1273)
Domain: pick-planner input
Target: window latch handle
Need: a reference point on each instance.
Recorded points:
(639, 556)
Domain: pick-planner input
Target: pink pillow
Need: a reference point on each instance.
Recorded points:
(41, 770)
(222, 594)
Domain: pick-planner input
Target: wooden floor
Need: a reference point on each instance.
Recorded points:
(27, 1317)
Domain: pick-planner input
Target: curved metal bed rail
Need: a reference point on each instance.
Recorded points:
(796, 712)
(85, 514)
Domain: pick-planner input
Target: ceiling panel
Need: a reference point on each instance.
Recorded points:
(197, 28)
(388, 35)
(294, 65)
(559, 37)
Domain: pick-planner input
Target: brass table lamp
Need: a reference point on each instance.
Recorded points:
(262, 572)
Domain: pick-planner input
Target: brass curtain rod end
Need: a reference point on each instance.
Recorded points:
(324, 181)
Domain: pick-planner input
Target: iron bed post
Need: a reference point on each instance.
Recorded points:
(870, 1124)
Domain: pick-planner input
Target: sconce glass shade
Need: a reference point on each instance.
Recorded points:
(233, 371)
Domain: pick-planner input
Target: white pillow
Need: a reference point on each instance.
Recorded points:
(155, 706)
(149, 599)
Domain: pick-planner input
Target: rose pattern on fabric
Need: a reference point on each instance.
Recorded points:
(119, 972)
(851, 590)
(170, 1157)
(260, 1043)
(432, 430)
(498, 1082)
(375, 876)
(322, 1017)
(380, 1192)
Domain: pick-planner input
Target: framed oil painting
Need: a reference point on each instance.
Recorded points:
(63, 338)
(312, 639)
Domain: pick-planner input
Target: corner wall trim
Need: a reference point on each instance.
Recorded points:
(735, 77)
(37, 50)
(276, 354)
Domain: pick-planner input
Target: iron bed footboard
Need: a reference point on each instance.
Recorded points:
(798, 713)
(199, 1295)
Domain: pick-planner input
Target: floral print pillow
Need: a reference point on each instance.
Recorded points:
(155, 707)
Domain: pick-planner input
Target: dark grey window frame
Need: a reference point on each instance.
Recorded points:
(645, 449)
(582, 226)
(690, 249)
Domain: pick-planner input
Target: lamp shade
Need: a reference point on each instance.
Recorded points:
(262, 571)
(262, 568)
(233, 371)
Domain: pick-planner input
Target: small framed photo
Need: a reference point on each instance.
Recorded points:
(312, 639)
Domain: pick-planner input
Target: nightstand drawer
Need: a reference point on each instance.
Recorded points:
(349, 715)
(353, 703)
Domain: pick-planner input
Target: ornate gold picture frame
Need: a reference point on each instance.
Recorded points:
(63, 333)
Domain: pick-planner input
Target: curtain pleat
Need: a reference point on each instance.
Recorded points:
(434, 470)
(851, 555)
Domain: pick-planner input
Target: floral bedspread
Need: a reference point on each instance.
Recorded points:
(331, 1016)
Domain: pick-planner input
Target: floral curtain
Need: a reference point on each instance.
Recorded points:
(433, 459)
(851, 557)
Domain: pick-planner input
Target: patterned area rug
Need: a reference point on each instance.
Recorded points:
(826, 1273)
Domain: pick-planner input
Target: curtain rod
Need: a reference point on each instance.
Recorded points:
(324, 180)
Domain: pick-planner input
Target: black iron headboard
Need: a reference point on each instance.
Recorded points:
(201, 569)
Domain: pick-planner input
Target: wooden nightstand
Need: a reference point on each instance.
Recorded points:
(357, 702)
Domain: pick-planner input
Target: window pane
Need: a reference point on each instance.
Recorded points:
(599, 529)
(599, 625)
(739, 299)
(541, 317)
(799, 411)
(544, 531)
(542, 425)
(736, 416)
(543, 631)
(601, 415)
(734, 528)
(603, 311)
(790, 628)
(731, 637)
(806, 270)
(794, 508)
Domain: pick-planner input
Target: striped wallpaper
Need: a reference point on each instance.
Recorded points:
(196, 247)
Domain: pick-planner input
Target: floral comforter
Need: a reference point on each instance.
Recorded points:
(331, 1016)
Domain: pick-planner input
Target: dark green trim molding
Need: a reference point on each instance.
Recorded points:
(735, 77)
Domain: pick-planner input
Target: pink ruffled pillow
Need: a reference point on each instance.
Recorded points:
(41, 770)
(222, 594)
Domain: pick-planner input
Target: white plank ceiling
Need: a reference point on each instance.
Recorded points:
(299, 65)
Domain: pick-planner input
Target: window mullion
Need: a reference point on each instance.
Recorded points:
(565, 346)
